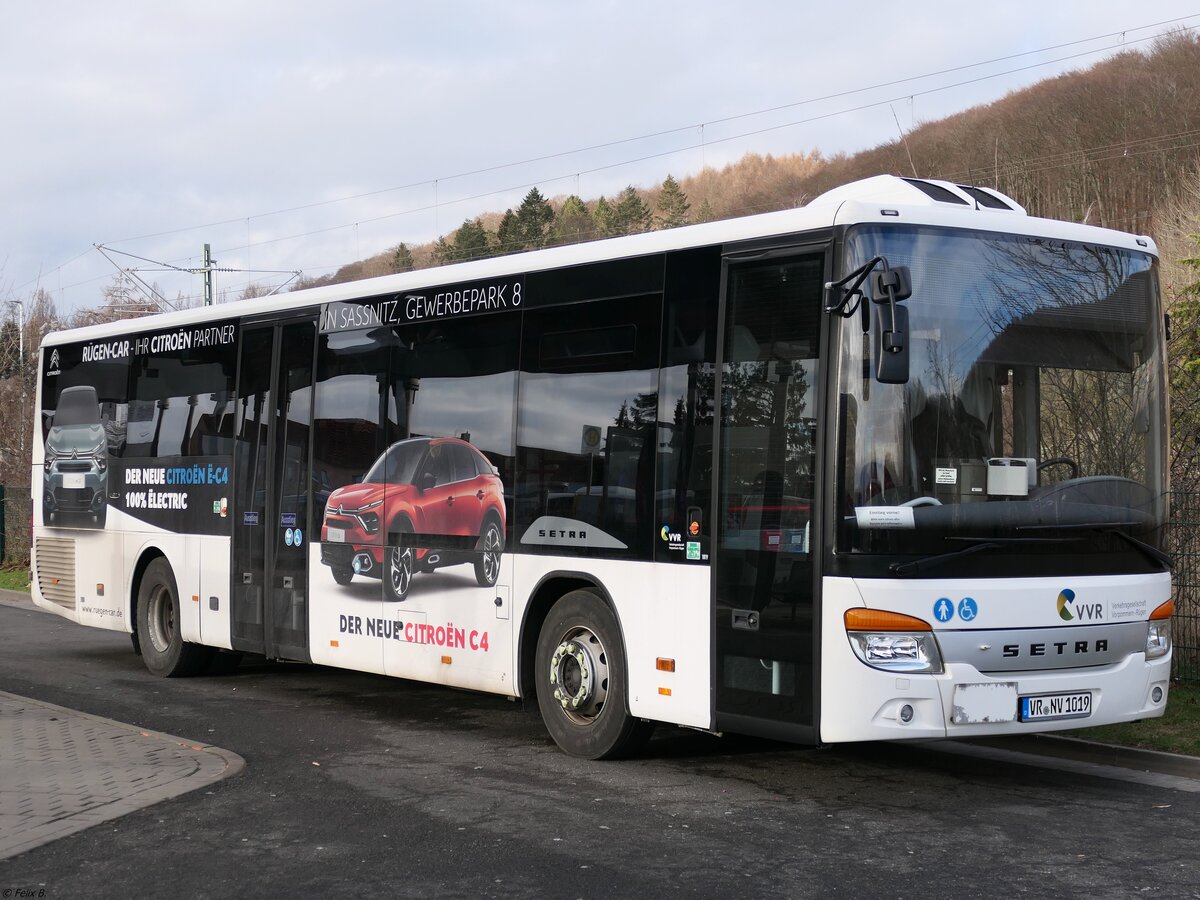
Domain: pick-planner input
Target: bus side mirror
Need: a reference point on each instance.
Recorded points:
(888, 288)
(889, 345)
(898, 280)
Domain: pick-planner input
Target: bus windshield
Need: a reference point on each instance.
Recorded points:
(1032, 417)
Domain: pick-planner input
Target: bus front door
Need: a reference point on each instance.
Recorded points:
(763, 571)
(272, 520)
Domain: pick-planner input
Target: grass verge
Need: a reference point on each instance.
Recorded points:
(14, 579)
(1177, 731)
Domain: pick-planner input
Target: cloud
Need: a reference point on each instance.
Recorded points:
(146, 117)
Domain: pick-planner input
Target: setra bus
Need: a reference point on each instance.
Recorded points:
(890, 465)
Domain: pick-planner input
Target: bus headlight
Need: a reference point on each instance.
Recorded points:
(1158, 631)
(893, 642)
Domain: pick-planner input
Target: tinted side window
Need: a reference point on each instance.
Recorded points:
(64, 368)
(181, 393)
(586, 425)
(686, 404)
(457, 378)
(349, 409)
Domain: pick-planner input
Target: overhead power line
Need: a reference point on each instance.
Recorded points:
(1123, 43)
(485, 170)
(674, 150)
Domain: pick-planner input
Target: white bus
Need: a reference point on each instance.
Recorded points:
(891, 465)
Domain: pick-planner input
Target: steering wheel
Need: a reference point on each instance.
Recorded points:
(1060, 461)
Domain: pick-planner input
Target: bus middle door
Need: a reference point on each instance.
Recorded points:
(272, 521)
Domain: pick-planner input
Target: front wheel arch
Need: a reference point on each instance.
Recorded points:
(581, 676)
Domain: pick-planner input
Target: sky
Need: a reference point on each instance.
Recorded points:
(301, 136)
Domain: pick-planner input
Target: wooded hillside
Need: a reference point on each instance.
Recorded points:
(1112, 145)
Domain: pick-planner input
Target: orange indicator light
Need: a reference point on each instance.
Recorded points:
(666, 692)
(1164, 611)
(664, 665)
(859, 619)
(446, 660)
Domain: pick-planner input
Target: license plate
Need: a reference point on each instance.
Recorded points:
(984, 703)
(1046, 707)
(73, 480)
(337, 535)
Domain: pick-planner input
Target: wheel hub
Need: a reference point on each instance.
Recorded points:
(161, 619)
(579, 676)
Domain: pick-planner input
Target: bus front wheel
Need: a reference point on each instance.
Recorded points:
(159, 629)
(582, 683)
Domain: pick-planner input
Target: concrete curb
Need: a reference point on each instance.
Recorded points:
(1081, 750)
(16, 598)
(63, 770)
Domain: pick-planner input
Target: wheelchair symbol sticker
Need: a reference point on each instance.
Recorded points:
(968, 609)
(943, 610)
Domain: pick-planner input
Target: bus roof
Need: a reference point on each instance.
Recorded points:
(882, 198)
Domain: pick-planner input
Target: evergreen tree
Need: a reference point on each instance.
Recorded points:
(471, 241)
(631, 215)
(705, 213)
(508, 235)
(573, 223)
(603, 216)
(443, 253)
(402, 259)
(672, 205)
(535, 215)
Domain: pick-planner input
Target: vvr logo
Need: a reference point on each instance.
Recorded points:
(1069, 610)
(669, 535)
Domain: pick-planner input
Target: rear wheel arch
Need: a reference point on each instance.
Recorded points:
(135, 584)
(158, 626)
(553, 587)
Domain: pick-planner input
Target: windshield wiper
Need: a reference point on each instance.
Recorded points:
(1149, 551)
(929, 562)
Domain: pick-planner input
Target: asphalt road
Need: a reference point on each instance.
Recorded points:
(357, 785)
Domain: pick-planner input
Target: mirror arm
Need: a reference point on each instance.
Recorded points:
(858, 276)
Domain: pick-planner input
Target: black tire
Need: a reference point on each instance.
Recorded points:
(491, 548)
(398, 566)
(342, 574)
(582, 687)
(164, 651)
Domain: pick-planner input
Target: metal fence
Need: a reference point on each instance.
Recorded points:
(16, 509)
(1185, 548)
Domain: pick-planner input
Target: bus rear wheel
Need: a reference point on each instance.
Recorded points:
(581, 680)
(159, 630)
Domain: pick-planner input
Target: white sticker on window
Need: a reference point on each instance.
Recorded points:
(885, 517)
(946, 476)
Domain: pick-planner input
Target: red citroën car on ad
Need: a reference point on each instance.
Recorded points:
(426, 503)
